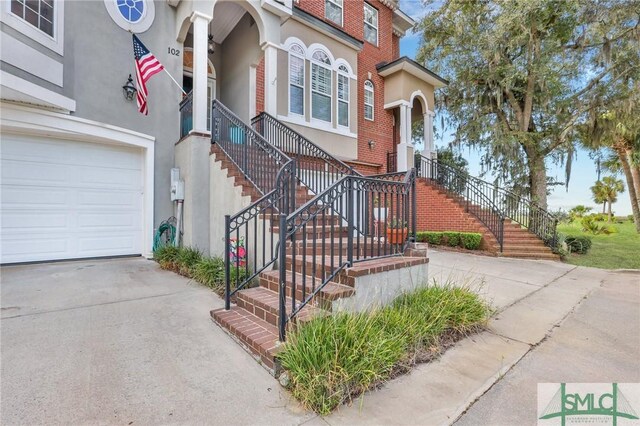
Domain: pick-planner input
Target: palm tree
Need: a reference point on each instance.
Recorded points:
(611, 187)
(599, 195)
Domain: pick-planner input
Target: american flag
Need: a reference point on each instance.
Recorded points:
(146, 66)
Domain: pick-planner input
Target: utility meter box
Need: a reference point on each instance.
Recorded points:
(177, 186)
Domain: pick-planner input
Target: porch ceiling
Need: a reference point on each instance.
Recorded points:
(225, 18)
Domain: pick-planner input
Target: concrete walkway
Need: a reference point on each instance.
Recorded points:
(531, 298)
(120, 341)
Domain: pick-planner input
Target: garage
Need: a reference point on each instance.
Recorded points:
(67, 199)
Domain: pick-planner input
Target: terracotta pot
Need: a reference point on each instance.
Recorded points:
(397, 235)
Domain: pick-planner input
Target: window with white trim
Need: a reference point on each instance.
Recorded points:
(296, 80)
(368, 100)
(371, 24)
(38, 13)
(343, 96)
(333, 10)
(321, 83)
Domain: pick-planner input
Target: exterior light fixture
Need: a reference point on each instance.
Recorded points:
(129, 89)
(211, 45)
(372, 144)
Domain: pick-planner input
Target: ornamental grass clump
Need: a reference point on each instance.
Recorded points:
(330, 360)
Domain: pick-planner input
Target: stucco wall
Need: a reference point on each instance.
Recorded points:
(240, 51)
(98, 57)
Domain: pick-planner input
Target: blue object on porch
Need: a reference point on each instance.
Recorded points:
(236, 134)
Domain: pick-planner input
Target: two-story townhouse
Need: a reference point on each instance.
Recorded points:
(85, 175)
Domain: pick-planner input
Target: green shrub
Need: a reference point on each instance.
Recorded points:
(452, 239)
(631, 219)
(430, 237)
(166, 256)
(330, 360)
(577, 244)
(187, 259)
(470, 240)
(467, 240)
(210, 272)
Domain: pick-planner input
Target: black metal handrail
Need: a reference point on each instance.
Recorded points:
(316, 168)
(488, 197)
(186, 114)
(380, 222)
(257, 159)
(250, 240)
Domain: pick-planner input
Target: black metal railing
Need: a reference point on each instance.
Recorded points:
(355, 219)
(258, 160)
(316, 169)
(484, 200)
(186, 115)
(250, 236)
(350, 219)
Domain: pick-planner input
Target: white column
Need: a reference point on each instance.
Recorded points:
(428, 134)
(270, 78)
(200, 62)
(404, 162)
(429, 140)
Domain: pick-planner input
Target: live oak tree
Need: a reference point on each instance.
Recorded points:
(523, 74)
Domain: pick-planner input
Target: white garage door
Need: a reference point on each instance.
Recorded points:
(67, 199)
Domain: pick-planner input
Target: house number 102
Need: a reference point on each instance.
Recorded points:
(172, 51)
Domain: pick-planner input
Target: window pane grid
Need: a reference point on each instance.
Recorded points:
(333, 11)
(296, 83)
(368, 100)
(343, 100)
(370, 24)
(38, 13)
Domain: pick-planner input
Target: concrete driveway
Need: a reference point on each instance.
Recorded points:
(123, 342)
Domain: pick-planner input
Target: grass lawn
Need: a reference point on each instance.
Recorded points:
(620, 250)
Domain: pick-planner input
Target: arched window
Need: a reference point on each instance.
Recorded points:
(368, 100)
(343, 96)
(296, 80)
(321, 86)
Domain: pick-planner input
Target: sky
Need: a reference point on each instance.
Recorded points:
(583, 170)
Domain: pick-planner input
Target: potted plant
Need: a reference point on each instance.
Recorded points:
(379, 213)
(397, 231)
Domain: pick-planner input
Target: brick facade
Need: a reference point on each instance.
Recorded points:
(260, 87)
(381, 130)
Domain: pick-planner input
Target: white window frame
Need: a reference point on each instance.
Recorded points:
(341, 6)
(373, 99)
(342, 71)
(55, 43)
(367, 5)
(328, 67)
(300, 56)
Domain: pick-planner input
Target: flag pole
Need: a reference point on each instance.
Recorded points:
(174, 80)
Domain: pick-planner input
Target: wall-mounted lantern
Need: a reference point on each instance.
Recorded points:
(129, 89)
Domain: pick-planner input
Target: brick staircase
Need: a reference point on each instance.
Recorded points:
(441, 210)
(253, 318)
